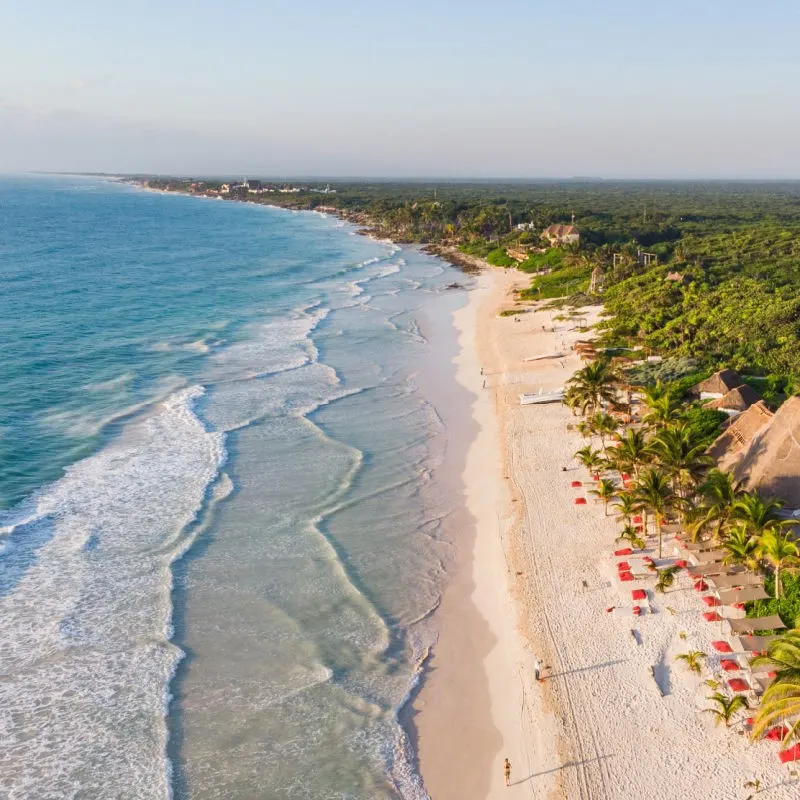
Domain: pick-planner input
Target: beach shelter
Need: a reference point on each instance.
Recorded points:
(699, 547)
(752, 644)
(752, 624)
(703, 570)
(743, 595)
(725, 582)
(709, 556)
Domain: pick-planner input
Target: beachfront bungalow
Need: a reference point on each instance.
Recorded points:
(735, 401)
(728, 447)
(718, 385)
(561, 234)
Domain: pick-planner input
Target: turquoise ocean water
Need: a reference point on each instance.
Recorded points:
(224, 522)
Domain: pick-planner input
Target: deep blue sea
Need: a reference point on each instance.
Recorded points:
(223, 521)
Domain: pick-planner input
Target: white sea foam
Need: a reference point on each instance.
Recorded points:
(85, 612)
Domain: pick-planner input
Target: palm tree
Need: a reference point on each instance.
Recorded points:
(631, 451)
(589, 457)
(631, 536)
(741, 547)
(606, 490)
(719, 492)
(777, 548)
(655, 494)
(662, 410)
(693, 660)
(726, 707)
(603, 425)
(666, 577)
(593, 385)
(781, 700)
(758, 514)
(679, 454)
(627, 505)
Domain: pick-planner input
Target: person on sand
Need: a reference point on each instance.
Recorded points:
(537, 668)
(507, 771)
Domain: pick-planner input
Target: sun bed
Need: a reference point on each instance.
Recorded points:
(625, 551)
(752, 624)
(712, 616)
(739, 685)
(711, 602)
(721, 646)
(729, 665)
(790, 754)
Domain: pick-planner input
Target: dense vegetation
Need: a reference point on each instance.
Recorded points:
(734, 246)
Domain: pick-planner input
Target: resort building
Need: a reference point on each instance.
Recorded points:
(736, 400)
(730, 444)
(718, 385)
(562, 234)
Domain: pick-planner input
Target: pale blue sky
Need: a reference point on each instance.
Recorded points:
(612, 88)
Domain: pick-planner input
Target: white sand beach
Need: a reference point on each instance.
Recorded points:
(540, 581)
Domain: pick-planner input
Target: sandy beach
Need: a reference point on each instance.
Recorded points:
(616, 716)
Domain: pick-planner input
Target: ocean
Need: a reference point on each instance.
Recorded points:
(225, 521)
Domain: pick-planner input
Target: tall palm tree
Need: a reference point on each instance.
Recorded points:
(631, 451)
(781, 700)
(593, 385)
(627, 505)
(741, 547)
(679, 454)
(778, 548)
(655, 494)
(662, 411)
(758, 514)
(606, 490)
(725, 707)
(719, 493)
(589, 457)
(603, 425)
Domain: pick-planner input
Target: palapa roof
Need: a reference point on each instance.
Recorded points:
(720, 382)
(750, 624)
(743, 595)
(725, 582)
(561, 230)
(729, 445)
(752, 644)
(738, 399)
(771, 462)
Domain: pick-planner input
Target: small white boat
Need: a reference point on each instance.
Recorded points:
(544, 356)
(553, 396)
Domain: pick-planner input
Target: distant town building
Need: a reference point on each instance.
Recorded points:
(736, 400)
(562, 234)
(525, 226)
(718, 385)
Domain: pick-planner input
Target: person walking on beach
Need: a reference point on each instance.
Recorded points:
(507, 771)
(537, 668)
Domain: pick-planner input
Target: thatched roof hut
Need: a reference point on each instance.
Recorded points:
(730, 444)
(736, 400)
(719, 384)
(771, 462)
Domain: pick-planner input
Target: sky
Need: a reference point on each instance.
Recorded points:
(419, 88)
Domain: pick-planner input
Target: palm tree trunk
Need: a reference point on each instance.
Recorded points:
(777, 580)
(658, 530)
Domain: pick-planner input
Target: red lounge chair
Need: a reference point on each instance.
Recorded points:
(577, 484)
(639, 594)
(777, 733)
(792, 754)
(712, 616)
(637, 520)
(701, 586)
(626, 551)
(626, 576)
(637, 610)
(624, 566)
(739, 685)
(712, 602)
(681, 564)
(722, 646)
(729, 665)
(739, 606)
(625, 476)
(580, 501)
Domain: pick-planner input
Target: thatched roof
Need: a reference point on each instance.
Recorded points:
(719, 383)
(771, 463)
(738, 399)
(729, 445)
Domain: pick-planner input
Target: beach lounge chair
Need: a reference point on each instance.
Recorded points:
(625, 551)
(712, 616)
(790, 754)
(729, 665)
(721, 646)
(739, 685)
